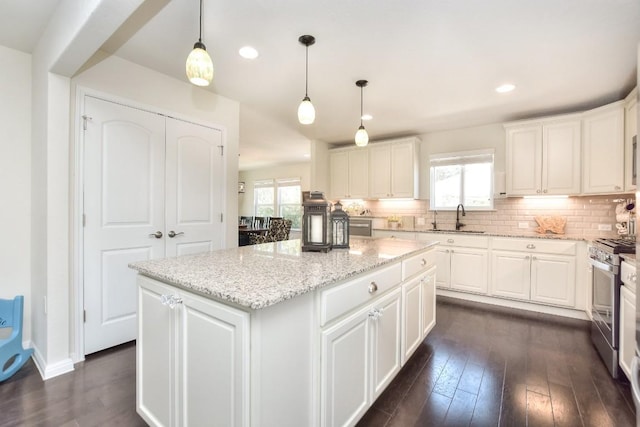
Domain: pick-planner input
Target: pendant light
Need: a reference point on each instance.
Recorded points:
(362, 137)
(306, 112)
(199, 65)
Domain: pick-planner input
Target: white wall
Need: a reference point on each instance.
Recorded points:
(293, 170)
(474, 138)
(15, 178)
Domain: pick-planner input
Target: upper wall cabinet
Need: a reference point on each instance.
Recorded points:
(543, 156)
(603, 149)
(349, 173)
(393, 169)
(386, 169)
(630, 130)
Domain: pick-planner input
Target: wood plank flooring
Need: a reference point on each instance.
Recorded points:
(489, 366)
(480, 366)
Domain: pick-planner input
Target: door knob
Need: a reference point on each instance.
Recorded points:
(157, 235)
(173, 234)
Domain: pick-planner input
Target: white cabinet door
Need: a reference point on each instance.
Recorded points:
(630, 130)
(524, 160)
(553, 279)
(188, 358)
(403, 170)
(603, 150)
(214, 346)
(156, 353)
(380, 170)
(359, 173)
(443, 264)
(469, 270)
(429, 301)
(510, 274)
(339, 174)
(627, 329)
(345, 370)
(386, 341)
(412, 323)
(561, 158)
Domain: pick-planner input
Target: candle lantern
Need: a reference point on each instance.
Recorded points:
(316, 223)
(339, 227)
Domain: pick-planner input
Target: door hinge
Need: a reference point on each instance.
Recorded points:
(84, 316)
(221, 217)
(221, 150)
(85, 118)
(84, 220)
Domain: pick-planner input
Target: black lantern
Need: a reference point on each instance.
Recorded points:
(340, 227)
(316, 223)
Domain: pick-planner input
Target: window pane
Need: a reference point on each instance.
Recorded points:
(477, 185)
(289, 195)
(446, 186)
(264, 196)
(294, 213)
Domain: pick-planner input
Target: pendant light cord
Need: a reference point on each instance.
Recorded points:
(306, 73)
(200, 35)
(361, 103)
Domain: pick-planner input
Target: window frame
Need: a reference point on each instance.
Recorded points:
(275, 185)
(462, 159)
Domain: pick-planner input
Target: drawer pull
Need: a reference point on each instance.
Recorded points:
(375, 314)
(423, 262)
(449, 240)
(531, 246)
(373, 287)
(631, 277)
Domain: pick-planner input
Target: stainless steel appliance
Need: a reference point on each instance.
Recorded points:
(360, 227)
(605, 328)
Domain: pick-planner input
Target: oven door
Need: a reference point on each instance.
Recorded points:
(605, 301)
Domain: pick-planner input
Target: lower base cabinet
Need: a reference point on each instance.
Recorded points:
(175, 363)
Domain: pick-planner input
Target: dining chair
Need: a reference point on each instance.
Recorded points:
(278, 230)
(12, 355)
(246, 220)
(258, 222)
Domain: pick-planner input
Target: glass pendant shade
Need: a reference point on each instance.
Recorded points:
(199, 66)
(362, 137)
(306, 112)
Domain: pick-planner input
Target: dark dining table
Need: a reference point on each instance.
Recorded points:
(245, 231)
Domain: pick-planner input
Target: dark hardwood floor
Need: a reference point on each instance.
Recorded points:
(480, 366)
(488, 366)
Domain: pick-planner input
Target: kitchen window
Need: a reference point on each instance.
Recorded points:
(462, 177)
(281, 196)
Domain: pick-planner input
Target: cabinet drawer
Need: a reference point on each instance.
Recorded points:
(628, 275)
(460, 240)
(418, 263)
(343, 298)
(536, 245)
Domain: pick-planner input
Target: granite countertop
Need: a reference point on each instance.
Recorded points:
(531, 235)
(259, 276)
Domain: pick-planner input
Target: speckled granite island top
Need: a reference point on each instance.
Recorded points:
(259, 276)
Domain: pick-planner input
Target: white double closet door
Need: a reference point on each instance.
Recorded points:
(153, 187)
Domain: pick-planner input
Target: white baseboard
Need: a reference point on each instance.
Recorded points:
(51, 370)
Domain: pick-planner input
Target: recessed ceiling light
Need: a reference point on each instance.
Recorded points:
(507, 87)
(367, 117)
(306, 155)
(248, 52)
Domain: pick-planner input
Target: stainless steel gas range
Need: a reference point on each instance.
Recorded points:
(604, 256)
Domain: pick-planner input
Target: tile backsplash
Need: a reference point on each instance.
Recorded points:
(586, 215)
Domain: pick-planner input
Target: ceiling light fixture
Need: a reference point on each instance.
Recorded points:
(306, 112)
(362, 137)
(248, 52)
(507, 87)
(367, 117)
(199, 65)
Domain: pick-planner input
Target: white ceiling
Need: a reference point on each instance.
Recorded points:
(431, 64)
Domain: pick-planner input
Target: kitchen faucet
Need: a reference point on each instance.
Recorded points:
(459, 225)
(434, 223)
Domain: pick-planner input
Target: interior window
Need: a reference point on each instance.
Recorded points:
(280, 197)
(464, 177)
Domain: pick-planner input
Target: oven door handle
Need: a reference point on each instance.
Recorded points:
(602, 266)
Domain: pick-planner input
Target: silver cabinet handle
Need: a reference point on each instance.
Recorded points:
(373, 287)
(375, 313)
(534, 258)
(531, 246)
(544, 191)
(527, 257)
(173, 234)
(631, 277)
(157, 235)
(170, 300)
(423, 262)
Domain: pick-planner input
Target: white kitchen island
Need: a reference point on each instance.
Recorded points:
(268, 335)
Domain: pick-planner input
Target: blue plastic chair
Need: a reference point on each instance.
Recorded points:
(11, 348)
